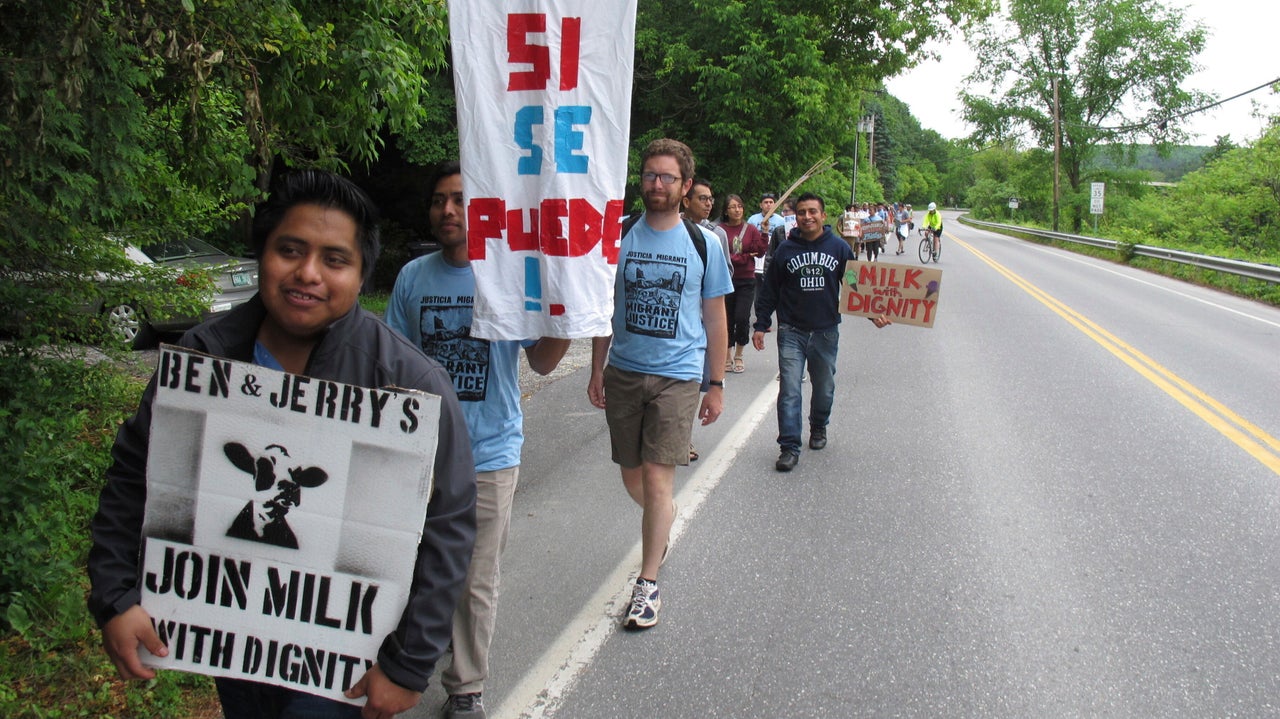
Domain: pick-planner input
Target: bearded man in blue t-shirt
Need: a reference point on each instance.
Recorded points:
(432, 306)
(668, 323)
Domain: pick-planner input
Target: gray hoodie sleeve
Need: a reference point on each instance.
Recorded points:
(409, 654)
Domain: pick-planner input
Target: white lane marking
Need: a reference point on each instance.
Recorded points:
(543, 687)
(1102, 267)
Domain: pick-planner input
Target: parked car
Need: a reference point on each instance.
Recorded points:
(235, 280)
(418, 248)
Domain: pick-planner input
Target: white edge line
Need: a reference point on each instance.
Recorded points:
(541, 689)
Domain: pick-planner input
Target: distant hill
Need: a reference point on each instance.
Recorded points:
(1181, 160)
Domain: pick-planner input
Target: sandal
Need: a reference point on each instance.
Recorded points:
(693, 454)
(728, 365)
(739, 366)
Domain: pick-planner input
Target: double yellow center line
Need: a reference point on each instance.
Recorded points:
(1248, 436)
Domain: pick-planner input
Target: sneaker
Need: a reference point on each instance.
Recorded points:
(468, 706)
(787, 460)
(817, 437)
(645, 604)
(935, 257)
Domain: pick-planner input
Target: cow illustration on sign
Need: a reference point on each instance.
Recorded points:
(278, 489)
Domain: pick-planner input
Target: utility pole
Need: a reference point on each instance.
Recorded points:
(865, 124)
(1057, 152)
(871, 144)
(853, 190)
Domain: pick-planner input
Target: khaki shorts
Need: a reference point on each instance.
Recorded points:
(650, 417)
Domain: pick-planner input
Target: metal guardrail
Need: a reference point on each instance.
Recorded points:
(1254, 270)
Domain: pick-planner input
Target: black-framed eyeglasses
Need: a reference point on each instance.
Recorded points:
(651, 177)
(705, 198)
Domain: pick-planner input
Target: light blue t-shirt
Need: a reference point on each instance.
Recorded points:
(658, 293)
(431, 305)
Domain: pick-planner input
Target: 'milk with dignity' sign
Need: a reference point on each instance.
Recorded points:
(906, 294)
(283, 519)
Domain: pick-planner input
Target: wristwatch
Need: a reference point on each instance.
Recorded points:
(716, 383)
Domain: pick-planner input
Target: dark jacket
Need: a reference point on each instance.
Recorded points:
(357, 349)
(802, 283)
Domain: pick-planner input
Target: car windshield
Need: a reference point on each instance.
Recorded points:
(170, 250)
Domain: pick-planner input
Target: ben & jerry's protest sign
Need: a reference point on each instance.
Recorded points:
(906, 294)
(282, 521)
(544, 117)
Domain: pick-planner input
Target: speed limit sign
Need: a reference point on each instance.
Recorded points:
(1097, 189)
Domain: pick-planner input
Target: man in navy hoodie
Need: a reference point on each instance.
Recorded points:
(802, 285)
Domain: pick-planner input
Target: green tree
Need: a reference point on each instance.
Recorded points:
(762, 89)
(135, 117)
(1232, 204)
(1221, 146)
(1118, 65)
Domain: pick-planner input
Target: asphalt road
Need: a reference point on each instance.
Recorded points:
(1060, 501)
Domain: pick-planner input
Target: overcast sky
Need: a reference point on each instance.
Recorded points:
(1239, 54)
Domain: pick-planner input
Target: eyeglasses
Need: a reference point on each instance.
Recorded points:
(707, 199)
(651, 177)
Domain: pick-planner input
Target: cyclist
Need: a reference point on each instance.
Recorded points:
(933, 223)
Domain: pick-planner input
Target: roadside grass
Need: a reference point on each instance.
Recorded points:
(375, 302)
(1259, 290)
(61, 416)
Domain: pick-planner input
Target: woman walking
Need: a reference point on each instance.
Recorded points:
(745, 245)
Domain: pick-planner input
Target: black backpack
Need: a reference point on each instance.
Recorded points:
(695, 234)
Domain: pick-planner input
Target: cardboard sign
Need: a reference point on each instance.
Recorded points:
(906, 294)
(544, 120)
(872, 230)
(282, 520)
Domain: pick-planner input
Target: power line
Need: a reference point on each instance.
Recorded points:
(1163, 122)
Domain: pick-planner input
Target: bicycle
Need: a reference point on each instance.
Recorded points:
(928, 249)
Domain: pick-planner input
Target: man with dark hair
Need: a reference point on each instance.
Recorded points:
(432, 305)
(768, 202)
(668, 322)
(802, 284)
(317, 240)
(697, 204)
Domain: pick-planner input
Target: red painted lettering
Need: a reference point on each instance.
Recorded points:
(521, 51)
(585, 226)
(558, 227)
(612, 235)
(484, 220)
(570, 41)
(519, 235)
(553, 241)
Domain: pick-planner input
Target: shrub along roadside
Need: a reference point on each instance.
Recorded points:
(61, 416)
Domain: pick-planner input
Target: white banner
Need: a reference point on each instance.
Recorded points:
(544, 118)
(282, 521)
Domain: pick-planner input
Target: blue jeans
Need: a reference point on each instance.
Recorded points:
(243, 699)
(796, 348)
